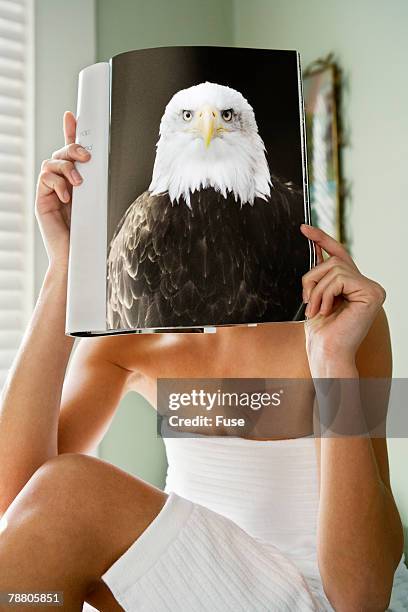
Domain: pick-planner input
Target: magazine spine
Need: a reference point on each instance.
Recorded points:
(308, 219)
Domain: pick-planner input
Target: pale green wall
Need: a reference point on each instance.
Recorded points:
(370, 42)
(132, 24)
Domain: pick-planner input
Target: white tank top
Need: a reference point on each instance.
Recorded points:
(269, 488)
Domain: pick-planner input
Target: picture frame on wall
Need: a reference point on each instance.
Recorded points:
(321, 85)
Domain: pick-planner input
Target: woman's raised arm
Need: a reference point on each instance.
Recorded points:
(360, 536)
(31, 397)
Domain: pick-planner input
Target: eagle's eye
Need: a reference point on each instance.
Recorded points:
(227, 114)
(187, 115)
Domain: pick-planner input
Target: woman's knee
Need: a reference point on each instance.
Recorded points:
(47, 491)
(57, 483)
(64, 474)
(78, 492)
(54, 496)
(56, 508)
(51, 519)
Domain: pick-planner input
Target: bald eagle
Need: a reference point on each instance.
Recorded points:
(214, 240)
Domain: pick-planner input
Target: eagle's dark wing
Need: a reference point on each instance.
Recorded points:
(214, 263)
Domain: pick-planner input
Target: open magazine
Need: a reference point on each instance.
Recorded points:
(188, 216)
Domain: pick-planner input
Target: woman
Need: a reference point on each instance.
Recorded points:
(76, 524)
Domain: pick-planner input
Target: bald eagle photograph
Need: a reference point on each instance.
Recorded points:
(212, 236)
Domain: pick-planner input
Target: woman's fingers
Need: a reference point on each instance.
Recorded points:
(331, 292)
(59, 173)
(314, 276)
(336, 277)
(55, 182)
(72, 152)
(332, 279)
(69, 126)
(327, 243)
(59, 176)
(322, 282)
(64, 167)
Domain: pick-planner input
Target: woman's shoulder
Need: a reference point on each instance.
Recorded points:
(126, 351)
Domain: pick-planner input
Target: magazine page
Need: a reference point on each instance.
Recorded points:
(206, 188)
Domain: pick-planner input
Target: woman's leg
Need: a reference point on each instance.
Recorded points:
(72, 520)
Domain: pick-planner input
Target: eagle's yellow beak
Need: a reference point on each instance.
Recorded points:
(207, 123)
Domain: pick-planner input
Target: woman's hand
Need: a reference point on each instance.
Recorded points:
(54, 192)
(341, 303)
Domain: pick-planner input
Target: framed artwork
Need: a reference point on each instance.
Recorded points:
(321, 82)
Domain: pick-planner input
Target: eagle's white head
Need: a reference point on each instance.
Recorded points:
(209, 138)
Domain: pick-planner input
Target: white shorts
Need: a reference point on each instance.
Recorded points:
(191, 559)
